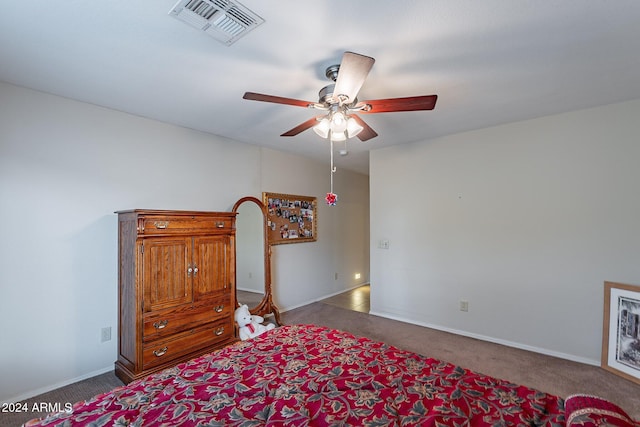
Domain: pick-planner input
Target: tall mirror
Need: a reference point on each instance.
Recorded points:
(253, 258)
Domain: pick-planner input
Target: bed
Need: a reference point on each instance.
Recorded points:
(309, 375)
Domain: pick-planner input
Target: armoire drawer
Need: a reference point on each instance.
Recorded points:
(161, 324)
(151, 225)
(159, 352)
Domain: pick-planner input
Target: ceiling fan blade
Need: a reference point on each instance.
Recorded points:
(301, 127)
(353, 71)
(366, 133)
(411, 103)
(252, 96)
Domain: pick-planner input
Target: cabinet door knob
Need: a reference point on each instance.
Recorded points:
(195, 270)
(160, 352)
(218, 308)
(189, 271)
(160, 325)
(219, 331)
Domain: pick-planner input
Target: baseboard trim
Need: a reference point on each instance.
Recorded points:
(254, 291)
(46, 389)
(507, 343)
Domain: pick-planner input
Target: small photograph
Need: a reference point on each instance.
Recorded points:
(284, 231)
(274, 203)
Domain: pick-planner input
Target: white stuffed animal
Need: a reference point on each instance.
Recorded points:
(250, 325)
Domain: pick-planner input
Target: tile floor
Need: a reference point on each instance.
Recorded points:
(356, 299)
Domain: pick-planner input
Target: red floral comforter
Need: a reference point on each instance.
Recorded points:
(309, 375)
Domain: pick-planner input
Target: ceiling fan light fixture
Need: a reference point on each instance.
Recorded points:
(338, 122)
(338, 136)
(338, 126)
(322, 128)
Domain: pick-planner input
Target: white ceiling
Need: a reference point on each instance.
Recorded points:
(490, 62)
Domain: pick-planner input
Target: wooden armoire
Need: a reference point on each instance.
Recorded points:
(176, 290)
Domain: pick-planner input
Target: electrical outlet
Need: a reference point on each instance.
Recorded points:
(105, 334)
(464, 305)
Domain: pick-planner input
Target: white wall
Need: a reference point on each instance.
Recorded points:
(524, 221)
(304, 270)
(65, 167)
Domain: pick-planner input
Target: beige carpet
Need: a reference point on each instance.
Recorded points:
(545, 373)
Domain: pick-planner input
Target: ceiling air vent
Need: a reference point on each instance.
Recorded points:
(223, 20)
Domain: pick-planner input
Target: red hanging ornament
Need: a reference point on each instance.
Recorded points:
(331, 199)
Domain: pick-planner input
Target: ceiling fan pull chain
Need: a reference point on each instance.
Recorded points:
(331, 198)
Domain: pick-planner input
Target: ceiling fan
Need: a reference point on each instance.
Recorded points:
(340, 104)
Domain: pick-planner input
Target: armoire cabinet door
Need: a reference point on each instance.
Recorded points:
(213, 257)
(167, 272)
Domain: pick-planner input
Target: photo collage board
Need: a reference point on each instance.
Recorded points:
(290, 218)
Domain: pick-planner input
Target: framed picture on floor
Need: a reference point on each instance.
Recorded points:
(621, 330)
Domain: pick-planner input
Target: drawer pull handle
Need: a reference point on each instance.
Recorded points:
(161, 325)
(220, 224)
(218, 308)
(160, 352)
(161, 224)
(219, 331)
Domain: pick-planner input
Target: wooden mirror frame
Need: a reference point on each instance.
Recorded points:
(266, 306)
